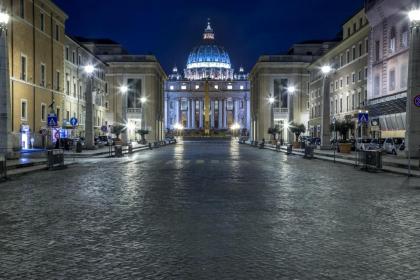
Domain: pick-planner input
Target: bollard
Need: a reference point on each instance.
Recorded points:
(150, 146)
(55, 159)
(118, 151)
(289, 149)
(130, 148)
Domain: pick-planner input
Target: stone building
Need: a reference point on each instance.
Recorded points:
(345, 88)
(36, 45)
(76, 57)
(272, 76)
(140, 105)
(208, 71)
(388, 65)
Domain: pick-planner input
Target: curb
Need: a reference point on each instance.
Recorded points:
(349, 162)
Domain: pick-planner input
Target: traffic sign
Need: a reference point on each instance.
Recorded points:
(52, 120)
(363, 117)
(417, 100)
(74, 121)
(334, 120)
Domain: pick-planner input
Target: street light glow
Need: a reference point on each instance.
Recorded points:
(130, 126)
(143, 99)
(414, 15)
(291, 89)
(89, 69)
(271, 100)
(4, 18)
(235, 126)
(124, 89)
(178, 126)
(326, 69)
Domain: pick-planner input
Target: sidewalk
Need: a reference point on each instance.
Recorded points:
(390, 163)
(103, 151)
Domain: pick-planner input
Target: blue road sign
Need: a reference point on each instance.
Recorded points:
(52, 120)
(417, 101)
(74, 121)
(363, 117)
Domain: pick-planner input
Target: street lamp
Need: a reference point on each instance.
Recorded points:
(412, 112)
(235, 127)
(143, 100)
(5, 108)
(291, 89)
(89, 133)
(325, 119)
(271, 101)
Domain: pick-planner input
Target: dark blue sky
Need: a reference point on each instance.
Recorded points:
(170, 29)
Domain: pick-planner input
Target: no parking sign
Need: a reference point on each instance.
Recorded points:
(417, 100)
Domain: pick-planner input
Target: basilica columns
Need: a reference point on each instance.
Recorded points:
(220, 114)
(193, 113)
(201, 113)
(212, 114)
(224, 113)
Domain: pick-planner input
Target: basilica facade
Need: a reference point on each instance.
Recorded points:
(208, 94)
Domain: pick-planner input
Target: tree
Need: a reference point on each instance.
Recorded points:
(297, 129)
(342, 127)
(273, 131)
(118, 129)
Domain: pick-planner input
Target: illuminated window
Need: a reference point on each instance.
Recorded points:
(183, 87)
(197, 86)
(216, 86)
(241, 87)
(229, 87)
(171, 87)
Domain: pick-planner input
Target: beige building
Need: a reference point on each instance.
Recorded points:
(272, 76)
(36, 44)
(76, 57)
(142, 106)
(345, 90)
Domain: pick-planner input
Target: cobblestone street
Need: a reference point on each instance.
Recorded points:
(209, 210)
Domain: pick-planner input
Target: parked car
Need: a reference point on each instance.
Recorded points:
(106, 140)
(363, 144)
(393, 145)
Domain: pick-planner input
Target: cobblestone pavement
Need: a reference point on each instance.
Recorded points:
(209, 211)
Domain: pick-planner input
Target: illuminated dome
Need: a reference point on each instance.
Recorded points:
(208, 60)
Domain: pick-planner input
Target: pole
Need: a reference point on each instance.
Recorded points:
(335, 142)
(5, 108)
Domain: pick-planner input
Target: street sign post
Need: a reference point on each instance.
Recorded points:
(74, 122)
(52, 120)
(363, 117)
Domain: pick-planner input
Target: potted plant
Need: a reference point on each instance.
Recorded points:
(297, 130)
(142, 133)
(273, 131)
(117, 130)
(343, 128)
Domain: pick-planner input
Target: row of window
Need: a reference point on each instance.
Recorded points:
(42, 73)
(353, 54)
(356, 26)
(392, 80)
(24, 113)
(393, 45)
(197, 87)
(352, 102)
(22, 12)
(217, 103)
(361, 75)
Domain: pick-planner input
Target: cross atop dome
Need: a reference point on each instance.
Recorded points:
(208, 32)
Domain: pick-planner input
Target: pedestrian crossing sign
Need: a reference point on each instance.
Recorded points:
(52, 120)
(363, 117)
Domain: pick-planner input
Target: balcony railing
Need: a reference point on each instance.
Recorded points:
(134, 113)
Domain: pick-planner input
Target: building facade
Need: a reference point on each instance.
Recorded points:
(388, 65)
(76, 57)
(271, 77)
(35, 39)
(208, 73)
(341, 94)
(140, 105)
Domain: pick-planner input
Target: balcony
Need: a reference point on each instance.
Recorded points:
(281, 113)
(134, 113)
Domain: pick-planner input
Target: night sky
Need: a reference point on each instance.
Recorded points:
(170, 29)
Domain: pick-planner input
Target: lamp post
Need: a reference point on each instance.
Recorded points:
(89, 132)
(325, 118)
(5, 114)
(412, 135)
(143, 101)
(290, 91)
